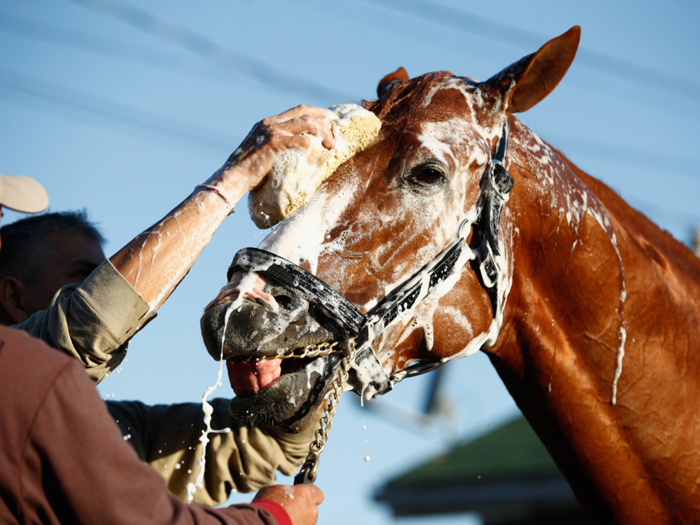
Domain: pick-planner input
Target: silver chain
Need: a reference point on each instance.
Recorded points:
(315, 350)
(307, 473)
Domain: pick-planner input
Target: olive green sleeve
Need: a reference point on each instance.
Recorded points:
(243, 460)
(93, 321)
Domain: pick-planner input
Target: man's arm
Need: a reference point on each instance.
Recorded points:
(92, 322)
(243, 460)
(155, 262)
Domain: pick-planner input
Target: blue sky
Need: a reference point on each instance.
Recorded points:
(123, 112)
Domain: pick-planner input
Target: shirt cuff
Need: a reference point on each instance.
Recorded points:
(122, 308)
(275, 509)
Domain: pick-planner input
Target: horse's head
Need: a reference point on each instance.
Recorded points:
(377, 225)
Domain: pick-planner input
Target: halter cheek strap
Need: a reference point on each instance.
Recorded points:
(371, 380)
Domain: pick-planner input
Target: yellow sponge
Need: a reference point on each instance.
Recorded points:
(293, 180)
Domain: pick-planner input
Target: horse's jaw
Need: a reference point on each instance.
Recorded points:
(284, 395)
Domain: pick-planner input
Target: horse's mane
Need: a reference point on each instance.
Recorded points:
(638, 223)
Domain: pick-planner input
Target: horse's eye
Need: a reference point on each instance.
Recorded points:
(427, 176)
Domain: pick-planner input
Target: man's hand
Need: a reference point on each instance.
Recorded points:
(300, 501)
(269, 138)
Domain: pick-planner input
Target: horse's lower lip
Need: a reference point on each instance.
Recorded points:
(290, 402)
(249, 377)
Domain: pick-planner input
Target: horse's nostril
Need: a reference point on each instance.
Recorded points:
(283, 301)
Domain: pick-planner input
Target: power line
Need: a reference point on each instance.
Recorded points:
(480, 26)
(115, 111)
(211, 50)
(84, 41)
(184, 131)
(113, 48)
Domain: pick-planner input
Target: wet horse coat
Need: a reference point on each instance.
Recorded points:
(598, 341)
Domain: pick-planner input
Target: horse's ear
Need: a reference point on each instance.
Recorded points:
(399, 75)
(532, 78)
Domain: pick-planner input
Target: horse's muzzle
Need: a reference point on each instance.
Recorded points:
(254, 329)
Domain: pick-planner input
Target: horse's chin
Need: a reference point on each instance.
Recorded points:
(291, 402)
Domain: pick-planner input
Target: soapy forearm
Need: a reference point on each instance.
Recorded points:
(157, 260)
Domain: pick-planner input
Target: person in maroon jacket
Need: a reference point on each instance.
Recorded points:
(63, 459)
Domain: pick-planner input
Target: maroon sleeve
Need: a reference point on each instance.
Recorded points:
(89, 474)
(276, 509)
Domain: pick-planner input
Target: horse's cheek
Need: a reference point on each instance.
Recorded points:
(455, 325)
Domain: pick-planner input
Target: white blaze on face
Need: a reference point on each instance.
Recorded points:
(300, 238)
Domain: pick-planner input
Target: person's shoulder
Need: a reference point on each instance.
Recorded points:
(22, 353)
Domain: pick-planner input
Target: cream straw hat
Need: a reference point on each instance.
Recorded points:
(21, 193)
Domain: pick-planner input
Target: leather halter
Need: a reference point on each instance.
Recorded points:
(372, 380)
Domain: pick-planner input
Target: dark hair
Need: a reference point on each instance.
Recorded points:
(21, 238)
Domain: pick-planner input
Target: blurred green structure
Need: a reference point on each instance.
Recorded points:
(506, 476)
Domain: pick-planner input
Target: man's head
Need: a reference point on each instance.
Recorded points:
(41, 254)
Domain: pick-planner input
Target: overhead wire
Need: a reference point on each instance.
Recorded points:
(115, 111)
(111, 47)
(211, 50)
(167, 60)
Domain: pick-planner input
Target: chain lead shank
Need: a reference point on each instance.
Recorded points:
(307, 473)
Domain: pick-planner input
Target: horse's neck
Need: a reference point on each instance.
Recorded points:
(599, 345)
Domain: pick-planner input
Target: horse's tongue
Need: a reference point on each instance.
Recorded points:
(251, 377)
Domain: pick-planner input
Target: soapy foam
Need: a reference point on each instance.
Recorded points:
(567, 196)
(459, 142)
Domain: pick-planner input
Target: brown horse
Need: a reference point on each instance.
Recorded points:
(588, 311)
